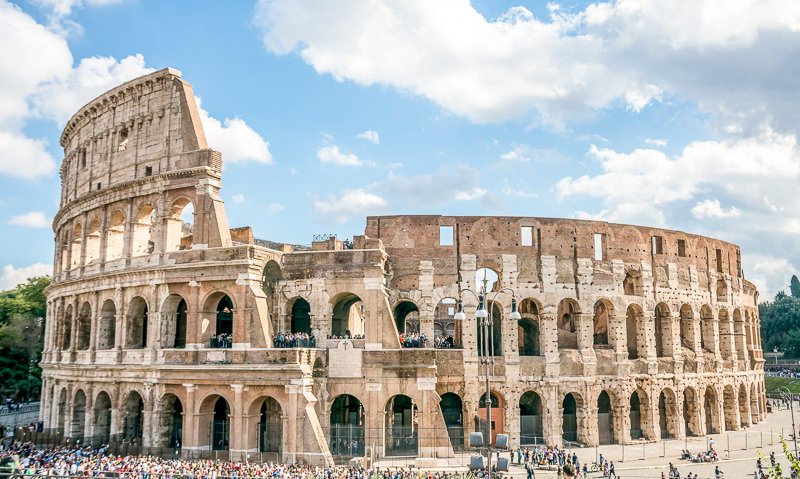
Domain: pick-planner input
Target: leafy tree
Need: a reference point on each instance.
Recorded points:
(794, 286)
(26, 299)
(780, 324)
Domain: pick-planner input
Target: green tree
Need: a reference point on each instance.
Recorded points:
(794, 286)
(26, 299)
(780, 324)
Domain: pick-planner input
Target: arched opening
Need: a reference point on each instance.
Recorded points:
(107, 325)
(401, 433)
(567, 324)
(347, 427)
(569, 418)
(102, 418)
(61, 410)
(270, 277)
(221, 426)
(223, 337)
(84, 334)
(687, 327)
(663, 331)
(711, 409)
(605, 418)
(446, 330)
(722, 291)
(270, 426)
(180, 225)
(636, 416)
(406, 317)
(744, 414)
(64, 247)
(453, 414)
(66, 329)
(530, 419)
(174, 322)
(170, 422)
(78, 425)
(632, 284)
(301, 316)
(77, 238)
(725, 335)
(667, 414)
(348, 317)
(93, 241)
(707, 329)
(137, 320)
(602, 311)
(115, 236)
(691, 414)
(495, 333)
(739, 336)
(730, 407)
(134, 418)
(143, 235)
(489, 278)
(496, 407)
(528, 329)
(633, 326)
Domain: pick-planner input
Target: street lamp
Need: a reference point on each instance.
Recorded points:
(486, 325)
(787, 395)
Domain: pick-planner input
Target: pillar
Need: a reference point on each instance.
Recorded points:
(190, 425)
(238, 434)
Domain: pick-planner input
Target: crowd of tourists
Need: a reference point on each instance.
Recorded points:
(294, 340)
(443, 342)
(413, 340)
(223, 340)
(346, 335)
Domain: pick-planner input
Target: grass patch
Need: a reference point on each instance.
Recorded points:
(772, 384)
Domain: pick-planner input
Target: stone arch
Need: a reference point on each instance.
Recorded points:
(271, 276)
(662, 330)
(102, 417)
(730, 407)
(722, 291)
(215, 425)
(78, 424)
(107, 325)
(61, 410)
(605, 418)
(265, 417)
(531, 429)
(725, 334)
(84, 333)
(497, 407)
(219, 304)
(453, 413)
(711, 409)
(115, 236)
(528, 329)
(169, 422)
(491, 276)
(348, 315)
(668, 414)
(744, 403)
(707, 336)
(687, 327)
(571, 417)
(66, 329)
(406, 317)
(739, 336)
(347, 426)
(401, 435)
(133, 417)
(77, 239)
(446, 330)
(300, 315)
(603, 311)
(180, 225)
(92, 249)
(638, 404)
(495, 344)
(143, 230)
(634, 327)
(691, 412)
(136, 321)
(175, 315)
(632, 284)
(567, 313)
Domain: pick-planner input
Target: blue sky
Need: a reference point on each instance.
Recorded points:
(633, 111)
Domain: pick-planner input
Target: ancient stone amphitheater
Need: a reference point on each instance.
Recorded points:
(164, 322)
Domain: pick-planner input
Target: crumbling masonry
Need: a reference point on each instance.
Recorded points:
(628, 334)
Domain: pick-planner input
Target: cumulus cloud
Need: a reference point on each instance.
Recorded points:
(657, 142)
(13, 275)
(237, 141)
(332, 154)
(430, 190)
(357, 202)
(470, 194)
(713, 209)
(24, 157)
(371, 136)
(34, 219)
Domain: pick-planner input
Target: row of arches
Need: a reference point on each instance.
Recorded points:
(110, 238)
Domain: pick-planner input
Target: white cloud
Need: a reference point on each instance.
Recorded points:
(238, 198)
(770, 274)
(518, 192)
(371, 136)
(34, 219)
(470, 194)
(275, 208)
(332, 154)
(429, 190)
(13, 276)
(713, 209)
(519, 153)
(237, 141)
(658, 142)
(350, 203)
(59, 10)
(24, 157)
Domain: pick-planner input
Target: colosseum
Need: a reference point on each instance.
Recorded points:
(168, 328)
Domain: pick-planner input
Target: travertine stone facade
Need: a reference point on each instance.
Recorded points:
(161, 318)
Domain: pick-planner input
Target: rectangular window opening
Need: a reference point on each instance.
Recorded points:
(598, 246)
(148, 171)
(527, 235)
(719, 260)
(658, 245)
(681, 248)
(98, 186)
(445, 236)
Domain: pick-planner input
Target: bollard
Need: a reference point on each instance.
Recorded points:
(728, 452)
(644, 453)
(664, 448)
(745, 441)
(762, 439)
(623, 453)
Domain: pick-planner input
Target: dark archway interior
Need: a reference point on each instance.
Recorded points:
(225, 316)
(301, 316)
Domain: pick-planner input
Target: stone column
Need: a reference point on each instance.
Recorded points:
(548, 333)
(190, 426)
(149, 414)
(646, 342)
(238, 434)
(512, 421)
(617, 338)
(88, 422)
(622, 422)
(426, 306)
